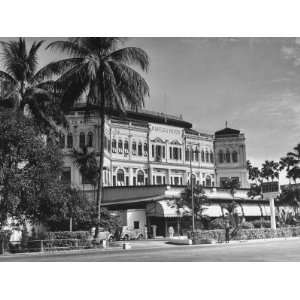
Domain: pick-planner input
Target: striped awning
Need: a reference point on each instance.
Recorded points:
(213, 211)
(251, 210)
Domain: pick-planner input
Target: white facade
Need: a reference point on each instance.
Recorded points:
(141, 151)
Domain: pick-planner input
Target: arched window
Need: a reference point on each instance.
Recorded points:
(234, 156)
(70, 140)
(90, 140)
(126, 147)
(120, 146)
(120, 177)
(81, 140)
(211, 157)
(227, 156)
(202, 155)
(221, 157)
(140, 177)
(62, 141)
(114, 145)
(208, 181)
(140, 149)
(134, 148)
(206, 156)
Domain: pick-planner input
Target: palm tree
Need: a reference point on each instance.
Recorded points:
(23, 88)
(200, 201)
(100, 70)
(295, 154)
(232, 185)
(286, 163)
(87, 163)
(270, 170)
(294, 173)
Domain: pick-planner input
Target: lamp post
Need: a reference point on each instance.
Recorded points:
(192, 189)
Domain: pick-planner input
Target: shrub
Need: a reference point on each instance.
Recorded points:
(248, 234)
(261, 223)
(218, 223)
(67, 239)
(4, 240)
(246, 225)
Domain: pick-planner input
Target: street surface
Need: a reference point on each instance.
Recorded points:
(278, 250)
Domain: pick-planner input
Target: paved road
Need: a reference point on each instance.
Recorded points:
(284, 250)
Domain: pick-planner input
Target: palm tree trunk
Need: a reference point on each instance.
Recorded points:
(101, 159)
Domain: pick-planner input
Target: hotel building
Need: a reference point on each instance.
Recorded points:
(149, 148)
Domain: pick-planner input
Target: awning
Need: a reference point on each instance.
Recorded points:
(165, 209)
(213, 211)
(251, 210)
(265, 210)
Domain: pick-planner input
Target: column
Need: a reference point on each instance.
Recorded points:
(168, 177)
(130, 177)
(150, 180)
(272, 210)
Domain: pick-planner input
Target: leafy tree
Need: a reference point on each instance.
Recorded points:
(24, 87)
(200, 201)
(30, 169)
(74, 211)
(99, 70)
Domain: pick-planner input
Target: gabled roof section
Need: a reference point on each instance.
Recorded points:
(227, 132)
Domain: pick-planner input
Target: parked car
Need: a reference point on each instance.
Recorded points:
(126, 233)
(104, 234)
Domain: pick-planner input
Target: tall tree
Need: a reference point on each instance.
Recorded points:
(100, 70)
(23, 86)
(29, 170)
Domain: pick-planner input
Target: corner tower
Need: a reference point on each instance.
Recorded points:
(230, 154)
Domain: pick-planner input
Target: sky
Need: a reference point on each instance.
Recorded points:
(252, 83)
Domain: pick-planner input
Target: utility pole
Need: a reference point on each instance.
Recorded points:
(192, 189)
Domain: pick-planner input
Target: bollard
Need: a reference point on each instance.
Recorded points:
(126, 246)
(42, 246)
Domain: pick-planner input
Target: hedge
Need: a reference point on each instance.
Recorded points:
(246, 234)
(67, 239)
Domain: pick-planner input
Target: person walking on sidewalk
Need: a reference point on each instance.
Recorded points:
(227, 232)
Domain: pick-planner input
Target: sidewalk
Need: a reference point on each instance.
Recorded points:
(141, 245)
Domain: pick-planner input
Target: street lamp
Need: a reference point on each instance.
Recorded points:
(192, 187)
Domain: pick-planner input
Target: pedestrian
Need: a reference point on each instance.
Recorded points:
(227, 232)
(171, 231)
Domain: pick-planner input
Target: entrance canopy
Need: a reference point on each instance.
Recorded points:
(166, 209)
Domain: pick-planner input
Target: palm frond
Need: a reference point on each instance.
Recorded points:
(74, 49)
(7, 77)
(32, 58)
(56, 68)
(132, 55)
(131, 85)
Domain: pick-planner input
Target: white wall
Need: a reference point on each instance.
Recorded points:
(136, 215)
